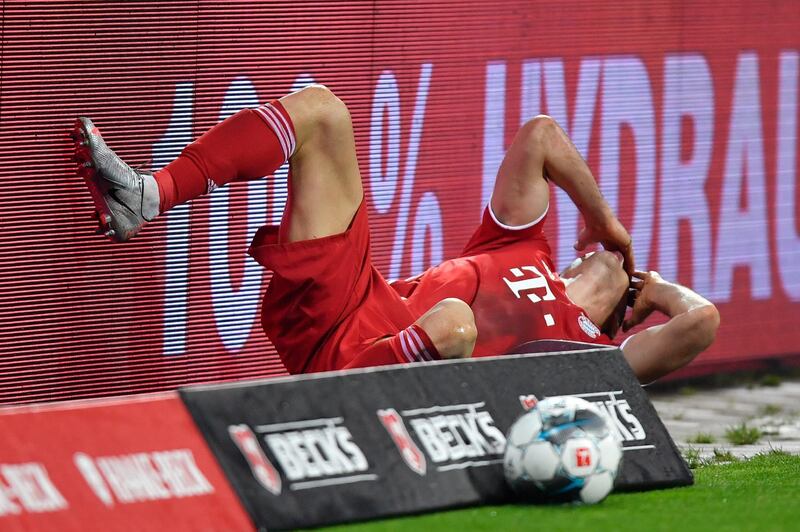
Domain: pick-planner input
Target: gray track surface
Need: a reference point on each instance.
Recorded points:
(775, 410)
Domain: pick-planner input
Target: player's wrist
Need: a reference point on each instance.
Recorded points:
(601, 217)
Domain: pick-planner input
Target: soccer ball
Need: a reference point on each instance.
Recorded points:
(562, 450)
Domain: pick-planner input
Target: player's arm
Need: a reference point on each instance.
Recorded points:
(565, 167)
(692, 326)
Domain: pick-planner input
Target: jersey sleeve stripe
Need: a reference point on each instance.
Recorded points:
(516, 227)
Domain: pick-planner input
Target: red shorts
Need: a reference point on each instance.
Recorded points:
(327, 307)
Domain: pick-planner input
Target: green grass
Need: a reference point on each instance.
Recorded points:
(770, 410)
(693, 458)
(771, 380)
(758, 494)
(702, 437)
(721, 456)
(742, 434)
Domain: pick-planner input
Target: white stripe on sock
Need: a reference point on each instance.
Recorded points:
(270, 112)
(420, 343)
(279, 130)
(275, 129)
(406, 351)
(281, 123)
(287, 126)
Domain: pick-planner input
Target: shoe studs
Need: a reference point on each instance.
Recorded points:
(110, 233)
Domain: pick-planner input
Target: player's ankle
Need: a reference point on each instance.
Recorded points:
(167, 194)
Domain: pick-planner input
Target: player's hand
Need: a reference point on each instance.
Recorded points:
(642, 284)
(613, 236)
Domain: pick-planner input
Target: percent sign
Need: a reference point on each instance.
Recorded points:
(384, 182)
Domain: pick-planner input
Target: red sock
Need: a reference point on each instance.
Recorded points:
(409, 345)
(414, 345)
(250, 144)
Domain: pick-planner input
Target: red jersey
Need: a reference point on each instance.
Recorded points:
(507, 277)
(328, 307)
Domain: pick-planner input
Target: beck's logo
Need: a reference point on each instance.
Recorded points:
(262, 469)
(397, 430)
(452, 436)
(310, 453)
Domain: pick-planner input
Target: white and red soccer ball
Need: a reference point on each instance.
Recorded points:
(562, 450)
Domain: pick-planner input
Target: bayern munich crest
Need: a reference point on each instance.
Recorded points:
(588, 327)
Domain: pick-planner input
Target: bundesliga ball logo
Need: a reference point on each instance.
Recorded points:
(562, 450)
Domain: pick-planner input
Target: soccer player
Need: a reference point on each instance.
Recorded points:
(327, 306)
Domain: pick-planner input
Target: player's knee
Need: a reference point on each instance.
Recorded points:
(451, 326)
(538, 129)
(324, 108)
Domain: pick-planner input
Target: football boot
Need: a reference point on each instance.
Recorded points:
(124, 198)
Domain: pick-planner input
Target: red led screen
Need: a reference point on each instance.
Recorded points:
(686, 111)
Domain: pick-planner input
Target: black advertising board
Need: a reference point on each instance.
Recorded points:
(346, 446)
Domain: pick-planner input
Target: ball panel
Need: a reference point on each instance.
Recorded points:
(512, 462)
(526, 429)
(561, 488)
(591, 420)
(559, 435)
(557, 410)
(540, 460)
(597, 487)
(579, 457)
(610, 453)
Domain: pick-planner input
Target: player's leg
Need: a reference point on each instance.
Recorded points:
(325, 186)
(446, 331)
(539, 150)
(249, 144)
(450, 325)
(598, 284)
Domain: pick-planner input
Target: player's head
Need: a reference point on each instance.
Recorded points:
(598, 283)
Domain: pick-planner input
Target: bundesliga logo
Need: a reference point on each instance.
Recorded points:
(452, 436)
(309, 453)
(583, 457)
